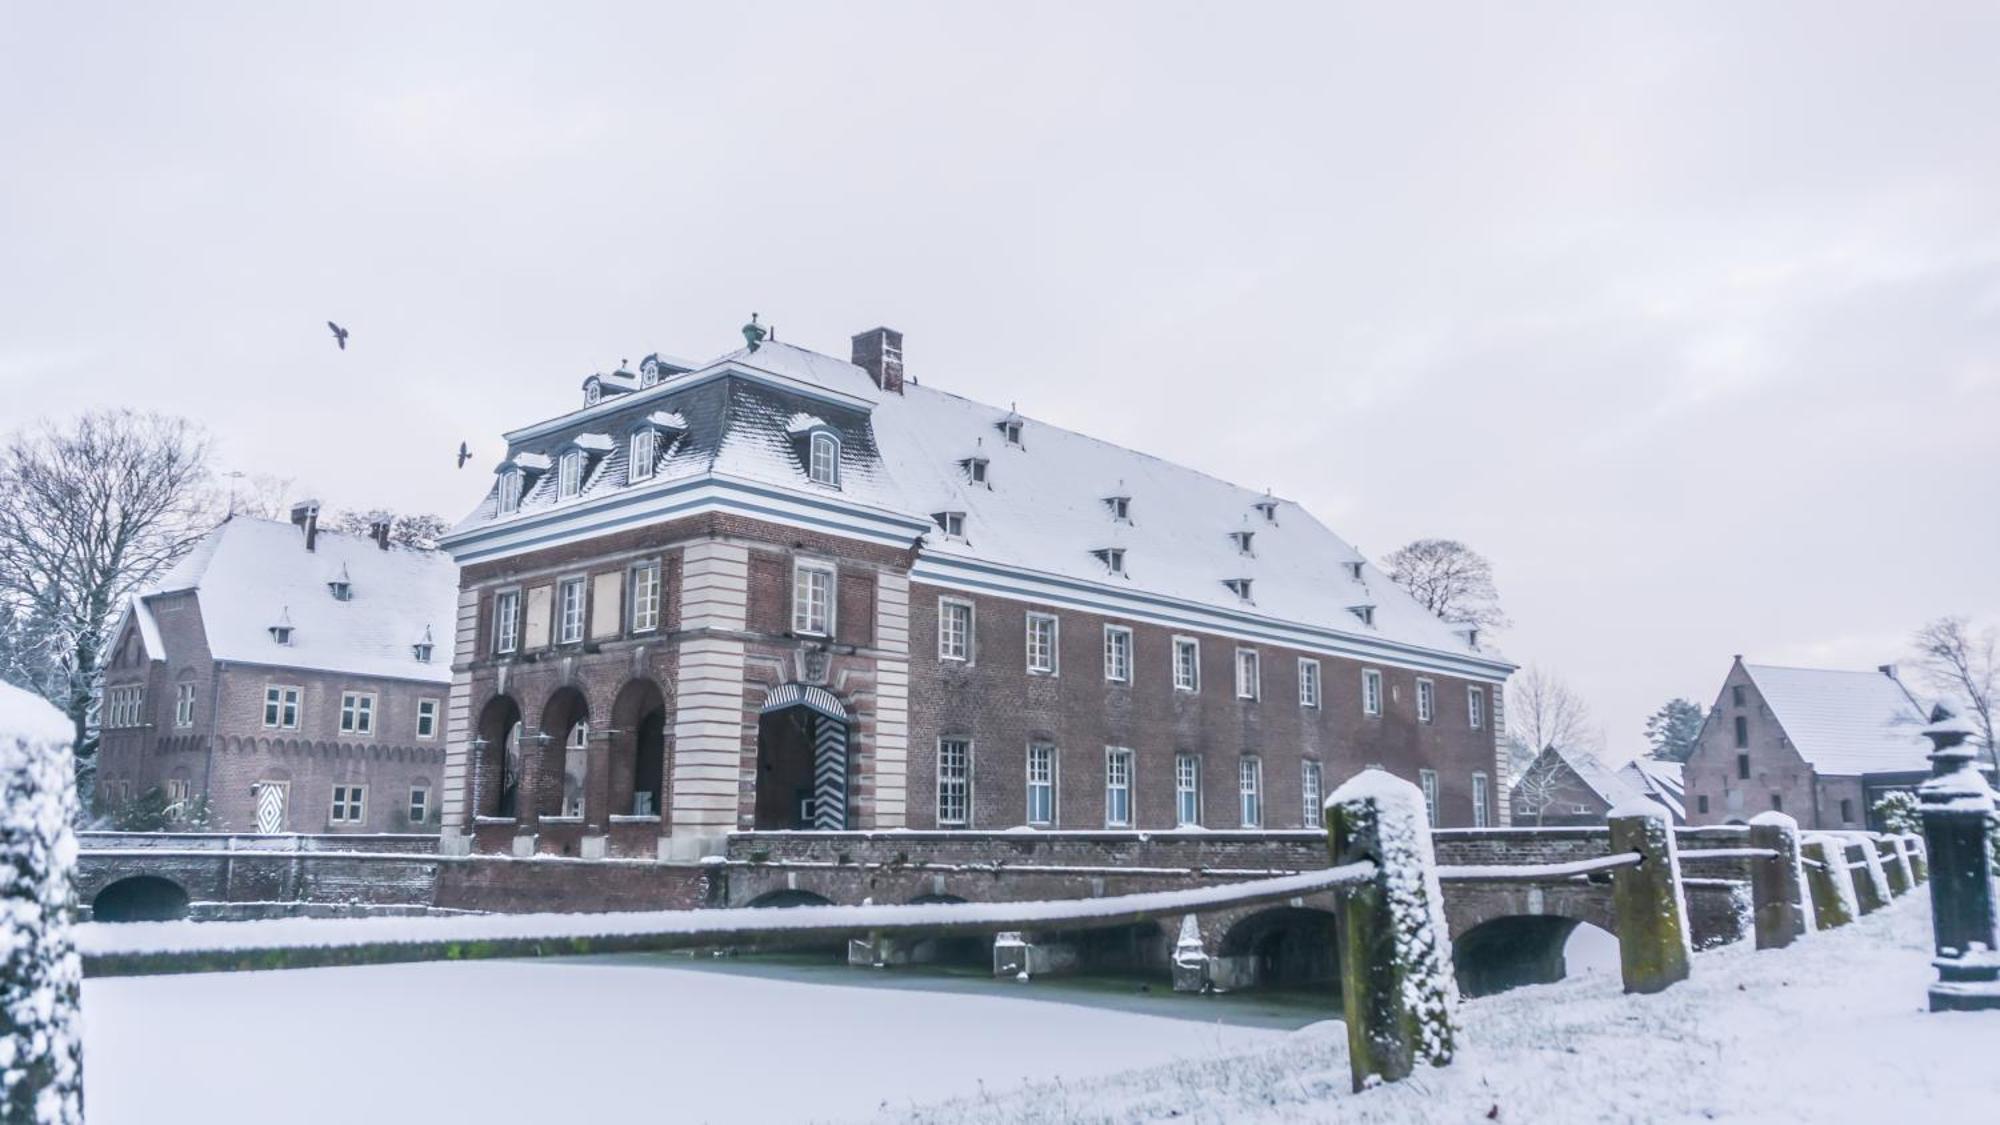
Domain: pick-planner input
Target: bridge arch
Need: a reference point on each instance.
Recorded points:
(790, 896)
(1513, 950)
(1283, 946)
(140, 898)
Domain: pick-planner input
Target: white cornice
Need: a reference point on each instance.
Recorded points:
(725, 369)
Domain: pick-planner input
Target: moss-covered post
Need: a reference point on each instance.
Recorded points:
(1913, 850)
(1871, 886)
(1831, 882)
(1653, 948)
(1895, 864)
(41, 1045)
(1777, 881)
(1397, 987)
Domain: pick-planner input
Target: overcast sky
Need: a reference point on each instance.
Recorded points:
(1688, 318)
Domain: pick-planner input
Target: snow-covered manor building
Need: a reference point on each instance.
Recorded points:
(293, 676)
(782, 590)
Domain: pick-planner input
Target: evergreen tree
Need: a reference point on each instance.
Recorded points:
(1673, 730)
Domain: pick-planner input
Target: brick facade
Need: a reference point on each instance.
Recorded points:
(1732, 777)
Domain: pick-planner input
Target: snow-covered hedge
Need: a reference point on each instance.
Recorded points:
(41, 1049)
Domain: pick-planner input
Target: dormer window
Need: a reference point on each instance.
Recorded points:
(1010, 428)
(1242, 540)
(649, 372)
(1365, 612)
(341, 587)
(510, 492)
(1121, 508)
(422, 649)
(823, 465)
(1268, 508)
(1113, 559)
(975, 469)
(282, 631)
(1353, 569)
(951, 523)
(644, 452)
(1471, 635)
(1238, 586)
(569, 475)
(593, 391)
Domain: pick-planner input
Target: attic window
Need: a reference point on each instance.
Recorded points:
(1238, 586)
(282, 631)
(975, 469)
(1353, 569)
(1471, 635)
(644, 453)
(341, 588)
(422, 649)
(1010, 428)
(1365, 612)
(1121, 507)
(649, 372)
(823, 466)
(569, 474)
(593, 391)
(1269, 508)
(510, 492)
(1242, 540)
(951, 523)
(1113, 559)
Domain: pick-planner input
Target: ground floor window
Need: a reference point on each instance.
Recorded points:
(420, 804)
(1041, 783)
(1117, 787)
(1480, 816)
(1428, 779)
(1309, 790)
(1187, 790)
(1250, 787)
(954, 778)
(349, 803)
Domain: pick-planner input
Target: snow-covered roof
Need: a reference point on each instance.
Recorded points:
(249, 574)
(1845, 723)
(1600, 778)
(1659, 780)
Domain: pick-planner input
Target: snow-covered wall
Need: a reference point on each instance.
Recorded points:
(41, 1052)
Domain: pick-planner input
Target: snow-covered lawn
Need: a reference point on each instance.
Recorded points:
(1833, 1029)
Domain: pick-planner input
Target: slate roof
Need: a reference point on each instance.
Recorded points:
(1660, 780)
(1845, 723)
(248, 571)
(1601, 779)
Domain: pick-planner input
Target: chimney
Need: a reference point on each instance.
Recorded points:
(1888, 670)
(305, 514)
(378, 530)
(879, 351)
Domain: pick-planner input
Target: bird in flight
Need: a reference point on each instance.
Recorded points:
(464, 455)
(339, 335)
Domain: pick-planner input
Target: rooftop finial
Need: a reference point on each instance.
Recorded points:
(753, 333)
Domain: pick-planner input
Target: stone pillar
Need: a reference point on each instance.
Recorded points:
(1190, 958)
(709, 709)
(1895, 864)
(1024, 956)
(1958, 812)
(1777, 883)
(1397, 986)
(1871, 885)
(1913, 850)
(1832, 884)
(1653, 949)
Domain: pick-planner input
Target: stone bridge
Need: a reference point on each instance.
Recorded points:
(1504, 932)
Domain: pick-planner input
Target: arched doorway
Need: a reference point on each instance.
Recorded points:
(498, 754)
(802, 759)
(639, 750)
(140, 898)
(564, 762)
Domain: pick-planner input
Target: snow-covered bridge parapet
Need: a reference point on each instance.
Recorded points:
(155, 876)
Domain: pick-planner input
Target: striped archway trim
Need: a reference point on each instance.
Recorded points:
(804, 695)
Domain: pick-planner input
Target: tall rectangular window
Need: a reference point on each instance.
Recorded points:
(569, 474)
(1250, 788)
(1426, 701)
(420, 804)
(1371, 692)
(643, 453)
(349, 803)
(1041, 783)
(507, 621)
(954, 782)
(1743, 767)
(1187, 790)
(1118, 654)
(357, 712)
(1475, 707)
(1309, 780)
(1187, 664)
(1042, 632)
(1428, 780)
(1481, 807)
(281, 707)
(1117, 787)
(427, 718)
(183, 705)
(645, 597)
(1846, 810)
(824, 466)
(1736, 694)
(510, 492)
(1742, 732)
(569, 613)
(1308, 682)
(954, 630)
(1247, 673)
(812, 598)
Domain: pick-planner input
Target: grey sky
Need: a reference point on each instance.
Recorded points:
(1688, 316)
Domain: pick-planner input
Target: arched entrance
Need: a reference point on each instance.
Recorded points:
(638, 750)
(1509, 952)
(140, 898)
(498, 756)
(563, 767)
(802, 759)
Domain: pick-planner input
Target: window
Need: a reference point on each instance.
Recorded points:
(124, 706)
(1308, 682)
(1117, 787)
(1238, 586)
(824, 465)
(1118, 654)
(420, 804)
(975, 469)
(1353, 570)
(510, 491)
(1365, 613)
(1743, 766)
(1701, 803)
(1113, 559)
(1011, 428)
(1428, 780)
(1187, 664)
(1041, 783)
(812, 598)
(1481, 816)
(645, 597)
(951, 523)
(1475, 707)
(1243, 539)
(1187, 790)
(644, 451)
(1846, 810)
(357, 712)
(576, 766)
(1426, 701)
(1736, 694)
(954, 779)
(1250, 788)
(1371, 692)
(569, 615)
(507, 621)
(349, 803)
(1269, 509)
(183, 705)
(281, 707)
(1246, 673)
(954, 630)
(569, 474)
(1742, 732)
(1042, 631)
(1309, 778)
(427, 718)
(1121, 508)
(1777, 802)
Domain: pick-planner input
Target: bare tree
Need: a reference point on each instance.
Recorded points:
(1543, 712)
(1450, 579)
(264, 495)
(1958, 661)
(1537, 788)
(94, 512)
(420, 529)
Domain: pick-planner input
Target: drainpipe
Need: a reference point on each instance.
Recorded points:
(208, 759)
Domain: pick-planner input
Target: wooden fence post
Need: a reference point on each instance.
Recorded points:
(1831, 882)
(41, 976)
(1653, 947)
(1397, 987)
(1777, 884)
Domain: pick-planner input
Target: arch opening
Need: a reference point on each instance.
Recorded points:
(965, 950)
(1284, 947)
(140, 898)
(1509, 952)
(499, 757)
(802, 760)
(564, 760)
(638, 750)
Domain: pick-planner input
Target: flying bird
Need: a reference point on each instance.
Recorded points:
(464, 455)
(339, 335)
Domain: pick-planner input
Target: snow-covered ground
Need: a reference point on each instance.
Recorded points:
(1833, 1029)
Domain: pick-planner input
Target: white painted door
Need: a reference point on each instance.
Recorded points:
(271, 806)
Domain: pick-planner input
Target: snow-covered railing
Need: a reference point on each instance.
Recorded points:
(1536, 872)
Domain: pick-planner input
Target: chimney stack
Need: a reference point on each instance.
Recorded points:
(378, 530)
(305, 515)
(879, 351)
(1888, 670)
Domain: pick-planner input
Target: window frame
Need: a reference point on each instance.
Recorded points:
(1475, 707)
(184, 704)
(1250, 791)
(650, 437)
(581, 584)
(1047, 785)
(351, 798)
(802, 623)
(1053, 666)
(1191, 645)
(506, 621)
(1482, 800)
(1187, 787)
(1122, 787)
(962, 783)
(419, 806)
(1312, 792)
(1309, 678)
(648, 597)
(1372, 692)
(1427, 780)
(1426, 700)
(946, 607)
(428, 707)
(569, 474)
(1255, 682)
(828, 442)
(513, 489)
(282, 697)
(357, 712)
(1120, 670)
